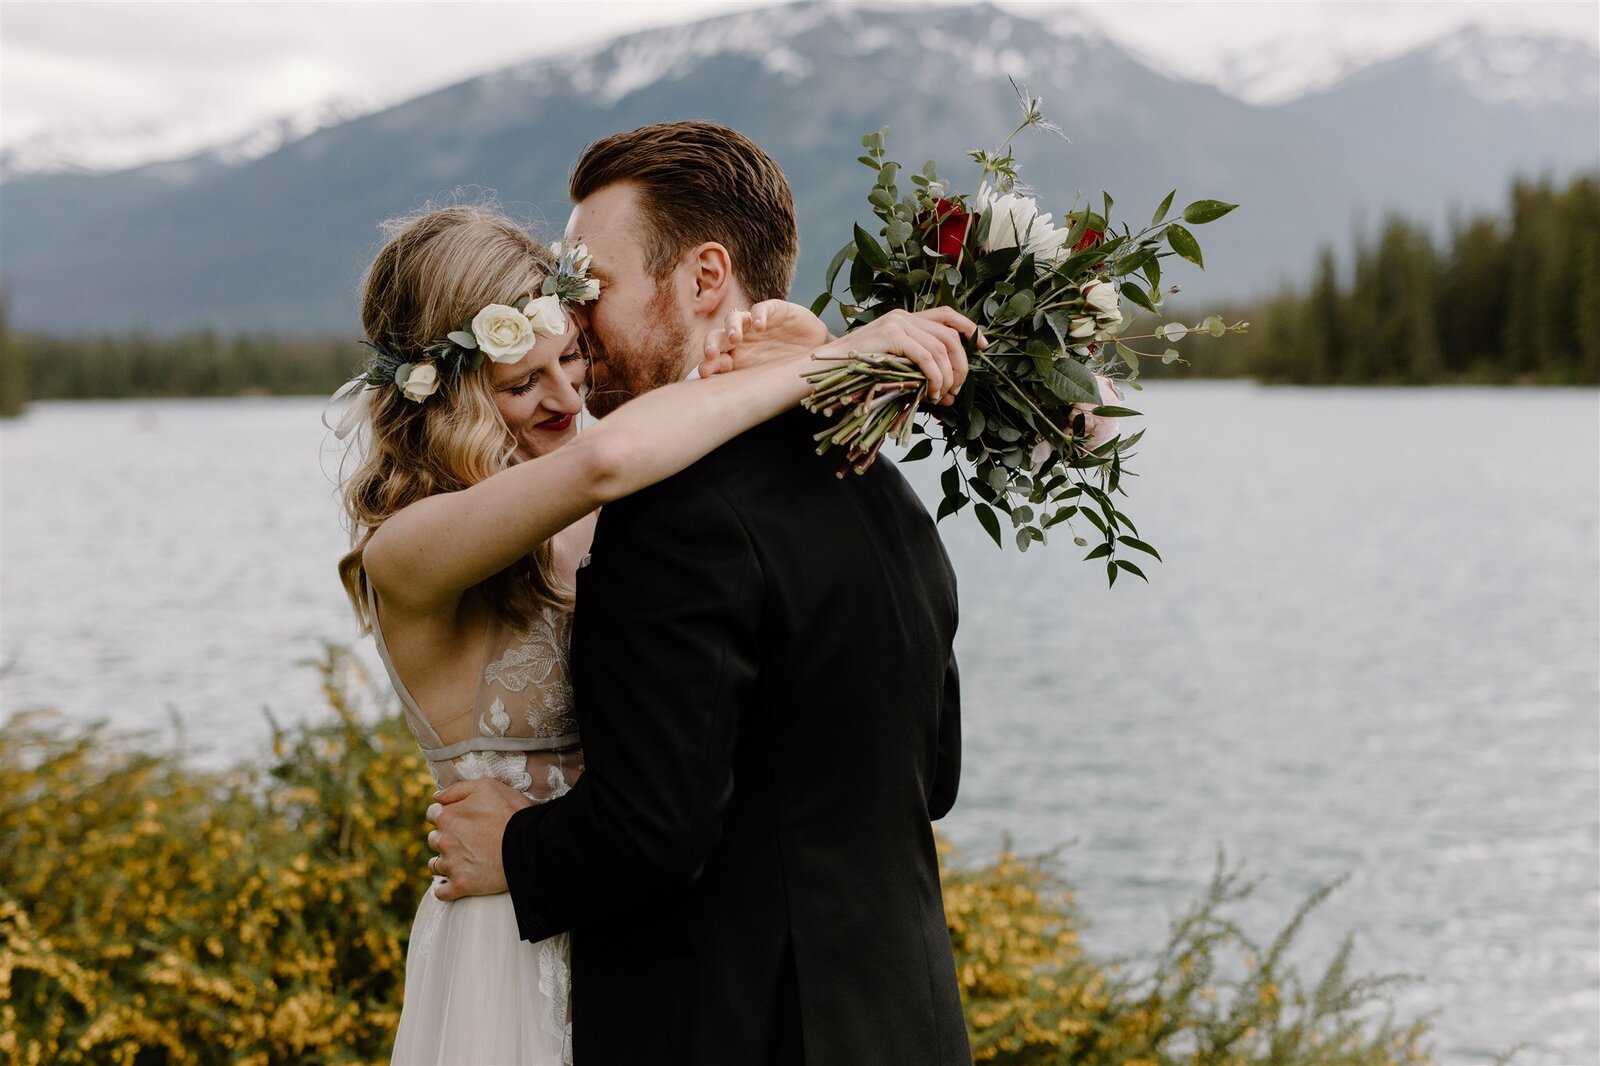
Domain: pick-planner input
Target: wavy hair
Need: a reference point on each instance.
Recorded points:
(434, 273)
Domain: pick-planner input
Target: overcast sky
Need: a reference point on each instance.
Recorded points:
(207, 71)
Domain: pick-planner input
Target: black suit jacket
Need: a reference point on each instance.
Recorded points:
(762, 662)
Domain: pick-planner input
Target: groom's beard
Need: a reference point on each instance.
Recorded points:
(651, 356)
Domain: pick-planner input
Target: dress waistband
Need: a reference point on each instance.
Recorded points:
(461, 747)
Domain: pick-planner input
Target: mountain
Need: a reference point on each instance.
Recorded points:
(278, 240)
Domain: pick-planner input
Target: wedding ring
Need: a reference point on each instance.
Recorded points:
(433, 866)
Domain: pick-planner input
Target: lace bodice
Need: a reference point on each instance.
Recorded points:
(520, 729)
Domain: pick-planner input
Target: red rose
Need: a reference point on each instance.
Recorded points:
(948, 228)
(1090, 238)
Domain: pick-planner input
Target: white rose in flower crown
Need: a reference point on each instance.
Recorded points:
(591, 290)
(503, 333)
(547, 317)
(1014, 219)
(420, 383)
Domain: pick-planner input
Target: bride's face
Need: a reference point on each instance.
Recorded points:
(538, 395)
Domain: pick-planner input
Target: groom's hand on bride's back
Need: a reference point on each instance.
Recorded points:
(471, 817)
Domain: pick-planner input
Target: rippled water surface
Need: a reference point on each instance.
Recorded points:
(1372, 650)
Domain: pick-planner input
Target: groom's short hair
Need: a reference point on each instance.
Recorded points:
(699, 182)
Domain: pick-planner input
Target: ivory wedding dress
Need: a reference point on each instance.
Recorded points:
(475, 991)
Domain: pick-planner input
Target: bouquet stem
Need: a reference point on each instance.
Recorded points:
(878, 394)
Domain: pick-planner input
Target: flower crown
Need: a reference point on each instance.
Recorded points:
(502, 332)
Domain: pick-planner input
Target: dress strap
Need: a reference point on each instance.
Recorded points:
(419, 720)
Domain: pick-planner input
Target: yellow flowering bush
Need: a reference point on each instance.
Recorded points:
(154, 913)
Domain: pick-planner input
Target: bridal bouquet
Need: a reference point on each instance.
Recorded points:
(1038, 420)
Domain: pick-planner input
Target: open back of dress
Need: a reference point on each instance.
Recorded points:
(520, 729)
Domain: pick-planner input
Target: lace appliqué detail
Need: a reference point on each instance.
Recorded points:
(556, 778)
(510, 767)
(537, 656)
(555, 982)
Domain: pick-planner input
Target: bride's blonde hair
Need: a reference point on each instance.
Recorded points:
(435, 272)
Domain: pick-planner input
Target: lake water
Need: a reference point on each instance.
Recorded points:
(1373, 649)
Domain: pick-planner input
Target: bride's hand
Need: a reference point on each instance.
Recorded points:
(931, 340)
(777, 329)
(769, 331)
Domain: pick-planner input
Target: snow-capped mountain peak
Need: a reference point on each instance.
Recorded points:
(195, 139)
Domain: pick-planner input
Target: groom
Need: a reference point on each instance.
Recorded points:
(762, 664)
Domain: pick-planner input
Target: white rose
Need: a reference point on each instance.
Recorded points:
(1096, 429)
(591, 290)
(1101, 298)
(504, 334)
(1082, 327)
(420, 383)
(546, 316)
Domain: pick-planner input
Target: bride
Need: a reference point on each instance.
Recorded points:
(470, 505)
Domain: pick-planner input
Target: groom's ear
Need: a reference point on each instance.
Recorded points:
(711, 271)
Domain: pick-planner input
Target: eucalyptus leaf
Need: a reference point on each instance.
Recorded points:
(1134, 294)
(990, 523)
(1161, 212)
(838, 261)
(1203, 211)
(1135, 542)
(1073, 382)
(869, 251)
(1183, 242)
(462, 338)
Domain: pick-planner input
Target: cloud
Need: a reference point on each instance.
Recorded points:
(203, 72)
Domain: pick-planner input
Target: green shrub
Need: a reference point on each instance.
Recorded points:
(154, 913)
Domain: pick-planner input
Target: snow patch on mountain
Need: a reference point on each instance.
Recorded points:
(1502, 67)
(191, 139)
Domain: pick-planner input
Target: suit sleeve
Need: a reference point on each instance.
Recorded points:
(947, 766)
(664, 634)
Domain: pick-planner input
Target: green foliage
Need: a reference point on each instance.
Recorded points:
(201, 363)
(1507, 300)
(1025, 441)
(13, 367)
(1211, 996)
(152, 913)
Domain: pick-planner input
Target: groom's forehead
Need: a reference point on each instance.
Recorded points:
(606, 215)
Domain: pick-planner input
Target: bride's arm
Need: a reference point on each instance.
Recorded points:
(424, 557)
(428, 554)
